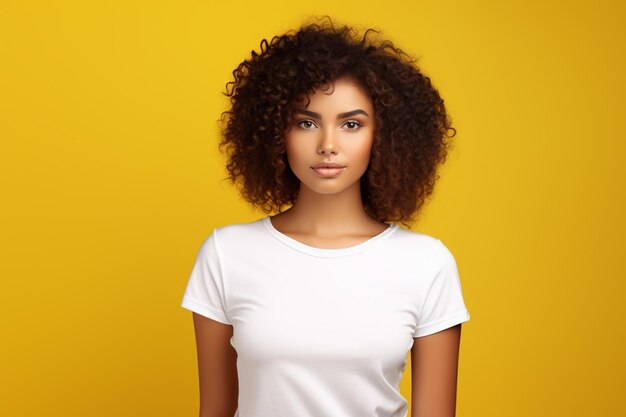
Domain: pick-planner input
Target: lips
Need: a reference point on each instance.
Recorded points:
(327, 165)
(328, 170)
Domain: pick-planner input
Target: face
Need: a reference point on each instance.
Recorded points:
(337, 127)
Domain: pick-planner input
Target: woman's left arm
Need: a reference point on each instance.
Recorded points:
(434, 368)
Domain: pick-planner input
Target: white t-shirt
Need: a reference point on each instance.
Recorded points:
(323, 332)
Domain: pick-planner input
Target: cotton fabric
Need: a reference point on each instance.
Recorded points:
(323, 332)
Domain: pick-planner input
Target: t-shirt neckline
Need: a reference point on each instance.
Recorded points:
(324, 252)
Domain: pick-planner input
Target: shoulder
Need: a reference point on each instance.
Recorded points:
(234, 235)
(425, 246)
(416, 241)
(237, 230)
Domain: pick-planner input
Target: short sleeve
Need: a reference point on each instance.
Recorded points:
(205, 293)
(443, 306)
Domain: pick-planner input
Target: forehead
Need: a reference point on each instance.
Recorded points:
(338, 94)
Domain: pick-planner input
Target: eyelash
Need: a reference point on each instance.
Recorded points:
(356, 122)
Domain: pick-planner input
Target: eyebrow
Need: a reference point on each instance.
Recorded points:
(339, 116)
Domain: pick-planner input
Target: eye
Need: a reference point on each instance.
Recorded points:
(352, 124)
(306, 124)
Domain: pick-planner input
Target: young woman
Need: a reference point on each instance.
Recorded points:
(311, 312)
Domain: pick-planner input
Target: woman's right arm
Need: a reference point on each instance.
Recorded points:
(217, 367)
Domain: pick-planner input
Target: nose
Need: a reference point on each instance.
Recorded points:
(327, 143)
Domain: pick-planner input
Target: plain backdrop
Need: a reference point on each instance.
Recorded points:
(111, 179)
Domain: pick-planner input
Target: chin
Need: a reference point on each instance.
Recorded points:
(328, 189)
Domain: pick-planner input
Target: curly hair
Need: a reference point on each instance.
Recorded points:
(412, 126)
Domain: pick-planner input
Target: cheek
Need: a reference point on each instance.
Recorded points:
(361, 152)
(294, 154)
(366, 151)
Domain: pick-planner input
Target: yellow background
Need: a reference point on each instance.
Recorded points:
(110, 180)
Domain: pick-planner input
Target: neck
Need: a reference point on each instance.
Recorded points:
(328, 214)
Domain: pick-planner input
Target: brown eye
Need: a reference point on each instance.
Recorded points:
(306, 124)
(352, 124)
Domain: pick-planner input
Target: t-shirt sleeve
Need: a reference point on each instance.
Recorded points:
(205, 293)
(443, 305)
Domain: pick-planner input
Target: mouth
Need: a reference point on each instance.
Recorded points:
(328, 165)
(328, 171)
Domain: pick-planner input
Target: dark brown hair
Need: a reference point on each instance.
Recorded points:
(412, 126)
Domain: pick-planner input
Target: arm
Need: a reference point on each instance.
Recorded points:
(434, 366)
(217, 368)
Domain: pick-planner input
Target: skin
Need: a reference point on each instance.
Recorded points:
(434, 369)
(217, 367)
(329, 214)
